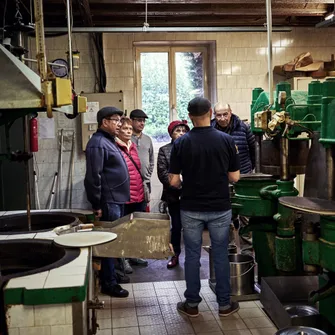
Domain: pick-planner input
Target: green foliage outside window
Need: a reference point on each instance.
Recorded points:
(155, 88)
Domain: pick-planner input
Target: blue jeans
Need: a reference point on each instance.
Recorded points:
(174, 211)
(218, 224)
(110, 212)
(134, 207)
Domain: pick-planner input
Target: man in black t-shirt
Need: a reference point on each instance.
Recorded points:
(207, 159)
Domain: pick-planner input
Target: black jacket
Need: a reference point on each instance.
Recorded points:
(170, 194)
(244, 139)
(107, 177)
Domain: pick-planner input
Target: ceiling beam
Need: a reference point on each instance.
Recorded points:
(190, 2)
(191, 22)
(185, 12)
(165, 29)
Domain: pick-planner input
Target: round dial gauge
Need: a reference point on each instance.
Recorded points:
(60, 71)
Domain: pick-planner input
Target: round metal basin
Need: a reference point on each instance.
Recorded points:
(18, 223)
(25, 257)
(29, 256)
(300, 330)
(300, 310)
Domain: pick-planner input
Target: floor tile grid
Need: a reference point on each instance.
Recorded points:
(151, 309)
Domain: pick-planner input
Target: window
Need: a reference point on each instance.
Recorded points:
(167, 79)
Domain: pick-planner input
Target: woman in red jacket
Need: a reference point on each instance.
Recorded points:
(129, 151)
(137, 201)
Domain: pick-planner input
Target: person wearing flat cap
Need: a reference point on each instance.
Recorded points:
(144, 147)
(171, 195)
(107, 185)
(207, 159)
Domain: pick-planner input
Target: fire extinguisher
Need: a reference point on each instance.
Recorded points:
(33, 135)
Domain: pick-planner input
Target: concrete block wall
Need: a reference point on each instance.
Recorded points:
(241, 63)
(241, 59)
(47, 158)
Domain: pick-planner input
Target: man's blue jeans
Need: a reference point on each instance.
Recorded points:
(218, 224)
(110, 212)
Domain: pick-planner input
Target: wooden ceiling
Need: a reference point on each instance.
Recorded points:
(175, 13)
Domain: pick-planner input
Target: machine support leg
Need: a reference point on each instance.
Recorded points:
(26, 169)
(330, 172)
(284, 166)
(258, 141)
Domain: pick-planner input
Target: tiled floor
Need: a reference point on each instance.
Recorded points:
(150, 309)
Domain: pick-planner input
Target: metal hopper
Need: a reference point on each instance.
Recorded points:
(20, 87)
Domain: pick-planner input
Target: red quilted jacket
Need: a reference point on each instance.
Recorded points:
(136, 184)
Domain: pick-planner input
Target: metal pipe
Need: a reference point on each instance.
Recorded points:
(269, 31)
(284, 166)
(69, 35)
(258, 141)
(26, 169)
(50, 63)
(36, 191)
(18, 36)
(330, 173)
(163, 29)
(72, 168)
(60, 168)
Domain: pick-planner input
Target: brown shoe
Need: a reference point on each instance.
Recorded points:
(174, 261)
(234, 307)
(184, 308)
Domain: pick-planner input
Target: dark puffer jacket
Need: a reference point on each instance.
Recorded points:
(170, 194)
(107, 177)
(244, 139)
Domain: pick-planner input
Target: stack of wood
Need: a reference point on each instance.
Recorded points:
(304, 66)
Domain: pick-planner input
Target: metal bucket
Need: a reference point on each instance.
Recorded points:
(242, 274)
(232, 249)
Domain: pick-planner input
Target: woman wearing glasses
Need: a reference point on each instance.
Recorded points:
(137, 201)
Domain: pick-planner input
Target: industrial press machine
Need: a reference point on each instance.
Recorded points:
(293, 237)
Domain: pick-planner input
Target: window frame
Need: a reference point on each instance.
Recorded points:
(171, 50)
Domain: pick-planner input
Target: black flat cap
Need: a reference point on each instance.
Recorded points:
(199, 106)
(138, 113)
(107, 111)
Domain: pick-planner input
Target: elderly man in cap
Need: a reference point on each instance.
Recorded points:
(207, 159)
(107, 185)
(144, 145)
(146, 154)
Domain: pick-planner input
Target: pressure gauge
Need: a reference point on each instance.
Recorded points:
(60, 70)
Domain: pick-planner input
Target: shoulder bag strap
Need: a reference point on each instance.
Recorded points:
(136, 166)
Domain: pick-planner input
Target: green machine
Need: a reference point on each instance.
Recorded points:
(293, 237)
